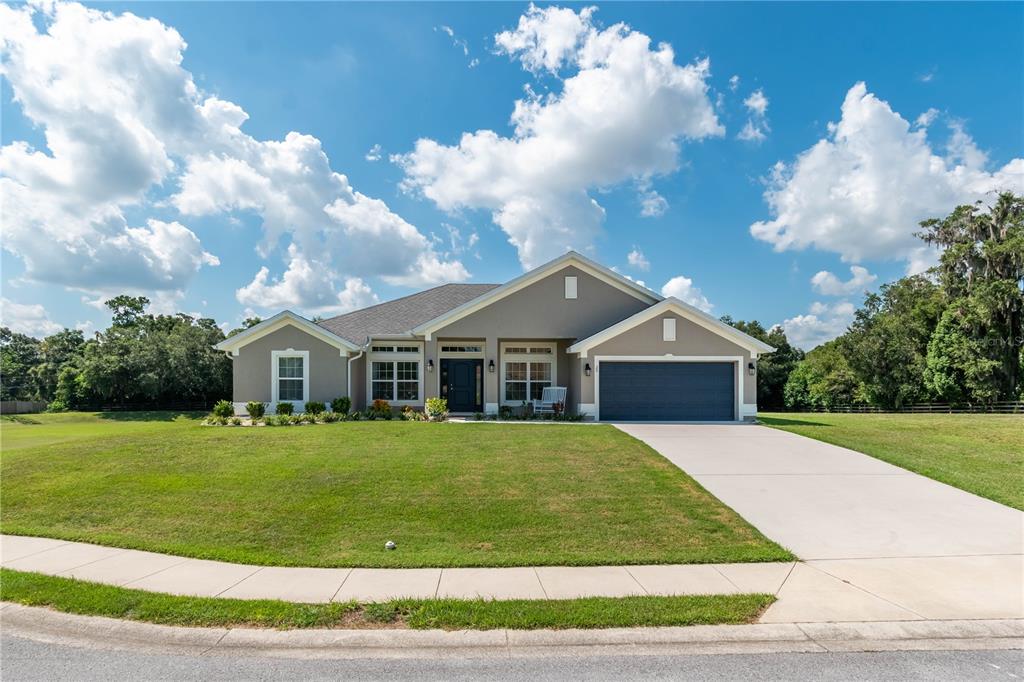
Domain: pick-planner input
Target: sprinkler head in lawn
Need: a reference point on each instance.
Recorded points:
(389, 545)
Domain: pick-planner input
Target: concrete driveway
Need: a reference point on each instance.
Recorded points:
(877, 541)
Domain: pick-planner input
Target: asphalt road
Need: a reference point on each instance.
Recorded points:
(22, 659)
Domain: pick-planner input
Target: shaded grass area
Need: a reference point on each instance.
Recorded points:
(93, 599)
(333, 494)
(982, 454)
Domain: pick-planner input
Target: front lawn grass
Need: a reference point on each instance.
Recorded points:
(333, 494)
(93, 599)
(982, 454)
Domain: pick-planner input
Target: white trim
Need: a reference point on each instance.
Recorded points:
(490, 408)
(274, 378)
(748, 410)
(569, 259)
(682, 309)
(504, 358)
(668, 329)
(235, 343)
(571, 287)
(737, 373)
(587, 409)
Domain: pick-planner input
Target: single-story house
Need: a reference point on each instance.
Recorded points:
(622, 351)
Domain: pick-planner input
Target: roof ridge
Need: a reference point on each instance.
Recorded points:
(402, 298)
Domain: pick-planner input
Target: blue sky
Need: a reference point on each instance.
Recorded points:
(125, 170)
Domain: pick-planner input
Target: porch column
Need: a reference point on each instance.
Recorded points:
(491, 380)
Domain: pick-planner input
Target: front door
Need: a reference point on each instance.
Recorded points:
(462, 383)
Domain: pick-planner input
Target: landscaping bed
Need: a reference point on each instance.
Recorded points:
(448, 495)
(93, 599)
(982, 454)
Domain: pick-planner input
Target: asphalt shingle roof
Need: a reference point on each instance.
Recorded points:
(402, 314)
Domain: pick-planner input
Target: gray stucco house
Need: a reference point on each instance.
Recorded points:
(622, 351)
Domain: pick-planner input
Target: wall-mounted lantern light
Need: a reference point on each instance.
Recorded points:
(750, 368)
(586, 370)
(430, 365)
(490, 366)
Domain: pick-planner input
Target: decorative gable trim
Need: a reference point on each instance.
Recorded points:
(684, 310)
(234, 344)
(569, 259)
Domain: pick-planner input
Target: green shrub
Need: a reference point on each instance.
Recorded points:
(256, 409)
(236, 421)
(341, 405)
(315, 407)
(216, 420)
(479, 416)
(411, 415)
(330, 417)
(297, 419)
(224, 408)
(505, 412)
(356, 416)
(284, 408)
(437, 409)
(57, 405)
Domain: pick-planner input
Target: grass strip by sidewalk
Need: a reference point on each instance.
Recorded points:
(93, 599)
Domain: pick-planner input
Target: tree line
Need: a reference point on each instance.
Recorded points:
(953, 334)
(140, 359)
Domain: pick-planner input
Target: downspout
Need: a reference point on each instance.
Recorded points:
(348, 376)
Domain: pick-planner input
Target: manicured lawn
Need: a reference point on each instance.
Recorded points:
(85, 598)
(983, 454)
(333, 494)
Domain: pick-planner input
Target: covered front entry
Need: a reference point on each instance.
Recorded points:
(462, 384)
(667, 391)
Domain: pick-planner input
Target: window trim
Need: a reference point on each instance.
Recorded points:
(550, 356)
(394, 356)
(571, 287)
(275, 371)
(668, 329)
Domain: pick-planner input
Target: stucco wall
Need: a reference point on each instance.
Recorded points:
(251, 369)
(691, 339)
(540, 312)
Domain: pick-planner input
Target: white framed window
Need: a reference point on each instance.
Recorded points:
(289, 373)
(668, 329)
(395, 349)
(462, 349)
(526, 370)
(570, 287)
(395, 373)
(395, 380)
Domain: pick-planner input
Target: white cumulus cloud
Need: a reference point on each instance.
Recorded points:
(30, 319)
(638, 260)
(623, 111)
(828, 284)
(310, 285)
(823, 322)
(682, 288)
(120, 117)
(756, 128)
(862, 191)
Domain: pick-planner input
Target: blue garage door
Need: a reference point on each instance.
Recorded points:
(667, 391)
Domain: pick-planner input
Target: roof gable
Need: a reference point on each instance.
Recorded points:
(284, 318)
(498, 293)
(682, 309)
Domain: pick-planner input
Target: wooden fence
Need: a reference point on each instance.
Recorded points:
(21, 406)
(1005, 407)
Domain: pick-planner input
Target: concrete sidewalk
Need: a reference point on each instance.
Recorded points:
(197, 577)
(931, 588)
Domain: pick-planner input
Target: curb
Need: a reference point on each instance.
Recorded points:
(108, 633)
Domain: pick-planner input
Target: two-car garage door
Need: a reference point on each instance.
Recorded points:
(667, 391)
